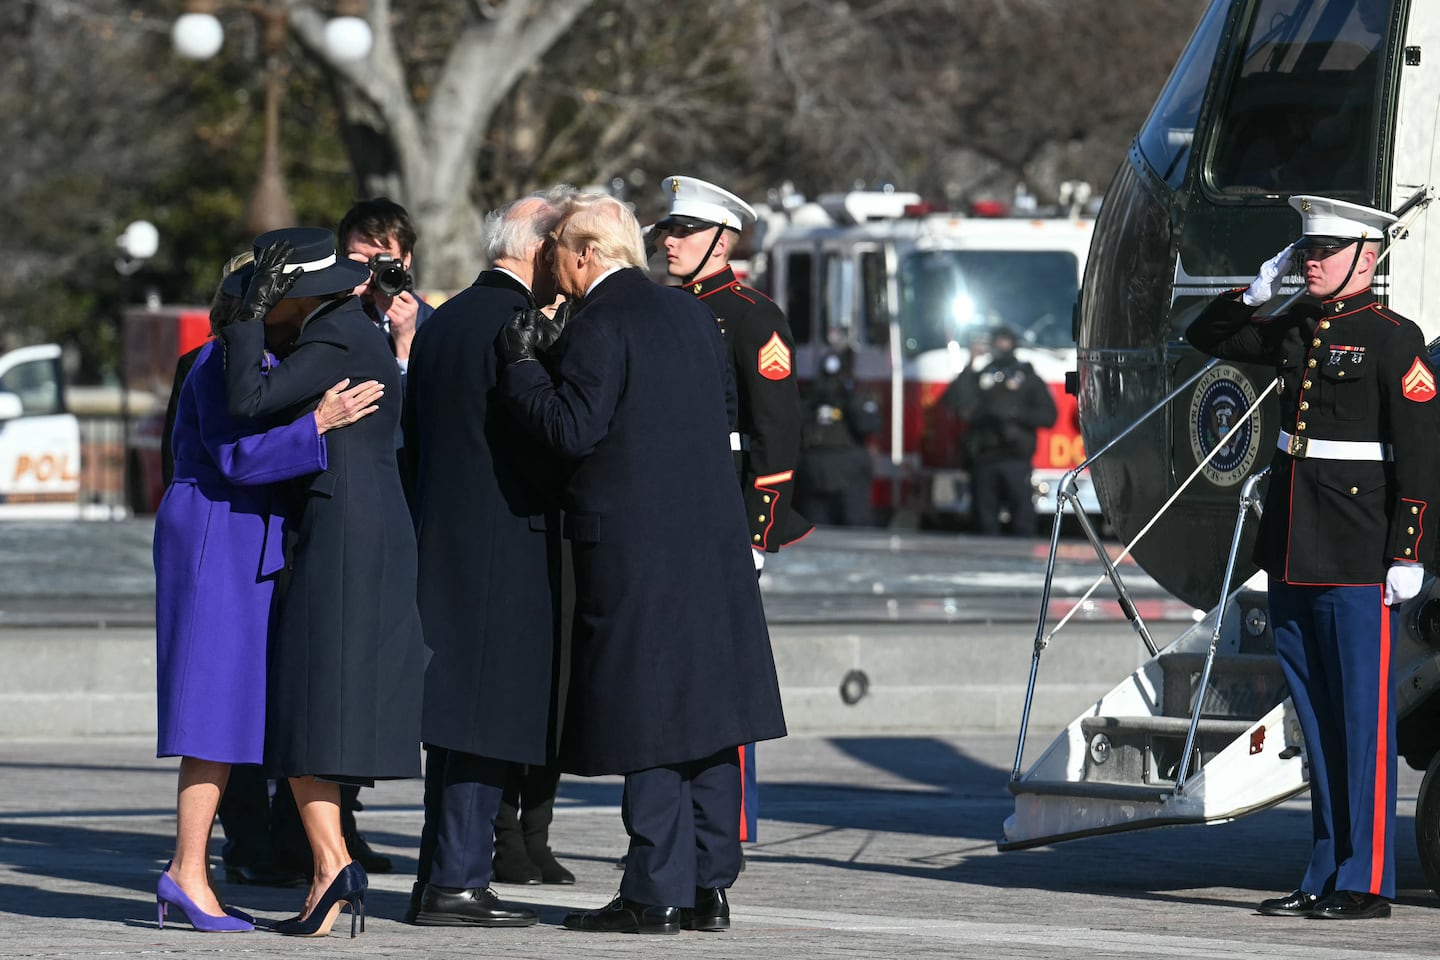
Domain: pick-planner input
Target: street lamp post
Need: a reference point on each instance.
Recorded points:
(137, 244)
(198, 35)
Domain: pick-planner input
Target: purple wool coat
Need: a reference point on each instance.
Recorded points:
(218, 546)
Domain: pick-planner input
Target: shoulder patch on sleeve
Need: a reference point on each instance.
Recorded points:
(774, 359)
(1418, 383)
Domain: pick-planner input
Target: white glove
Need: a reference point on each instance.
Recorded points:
(1267, 283)
(1403, 581)
(759, 559)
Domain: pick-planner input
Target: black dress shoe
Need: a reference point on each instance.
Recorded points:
(372, 861)
(474, 907)
(412, 909)
(461, 907)
(711, 910)
(1297, 903)
(264, 875)
(626, 916)
(1348, 905)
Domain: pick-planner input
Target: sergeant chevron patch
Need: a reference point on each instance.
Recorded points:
(775, 359)
(1419, 383)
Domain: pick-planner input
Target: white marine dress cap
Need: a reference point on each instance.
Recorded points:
(695, 203)
(1329, 224)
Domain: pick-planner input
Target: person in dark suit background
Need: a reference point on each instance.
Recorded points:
(484, 504)
(642, 402)
(347, 663)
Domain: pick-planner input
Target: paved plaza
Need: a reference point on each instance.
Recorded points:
(870, 847)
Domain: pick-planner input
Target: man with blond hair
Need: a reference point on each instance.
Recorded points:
(641, 402)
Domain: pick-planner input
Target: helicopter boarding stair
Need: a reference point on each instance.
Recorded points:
(1204, 731)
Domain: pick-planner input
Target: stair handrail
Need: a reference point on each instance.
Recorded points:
(1068, 493)
(1249, 501)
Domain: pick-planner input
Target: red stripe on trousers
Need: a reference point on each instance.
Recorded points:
(1382, 753)
(744, 826)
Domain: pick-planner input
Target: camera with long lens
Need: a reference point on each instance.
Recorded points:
(390, 274)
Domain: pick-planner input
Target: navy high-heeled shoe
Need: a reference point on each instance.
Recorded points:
(349, 887)
(168, 893)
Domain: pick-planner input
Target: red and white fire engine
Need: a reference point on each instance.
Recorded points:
(910, 293)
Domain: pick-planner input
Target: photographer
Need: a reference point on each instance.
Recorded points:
(379, 234)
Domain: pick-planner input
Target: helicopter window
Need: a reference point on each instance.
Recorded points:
(876, 316)
(798, 300)
(956, 296)
(1301, 110)
(1165, 138)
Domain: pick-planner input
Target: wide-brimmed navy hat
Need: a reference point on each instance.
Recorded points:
(322, 270)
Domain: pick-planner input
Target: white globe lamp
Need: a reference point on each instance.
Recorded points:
(348, 38)
(197, 36)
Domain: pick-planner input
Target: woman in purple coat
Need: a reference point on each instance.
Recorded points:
(218, 548)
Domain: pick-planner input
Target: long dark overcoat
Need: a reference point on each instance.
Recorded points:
(671, 658)
(489, 560)
(348, 656)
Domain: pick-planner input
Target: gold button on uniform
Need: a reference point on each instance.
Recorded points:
(766, 498)
(1305, 385)
(1311, 362)
(761, 518)
(1300, 425)
(1410, 530)
(1414, 509)
(1407, 551)
(1324, 324)
(756, 538)
(1304, 404)
(1339, 373)
(1315, 342)
(1354, 490)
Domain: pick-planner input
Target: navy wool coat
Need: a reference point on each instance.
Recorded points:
(671, 658)
(347, 655)
(489, 556)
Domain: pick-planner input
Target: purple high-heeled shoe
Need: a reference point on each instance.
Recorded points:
(168, 893)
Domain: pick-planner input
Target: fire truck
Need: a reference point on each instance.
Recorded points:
(910, 294)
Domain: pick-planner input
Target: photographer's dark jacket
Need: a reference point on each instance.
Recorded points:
(1002, 405)
(1350, 370)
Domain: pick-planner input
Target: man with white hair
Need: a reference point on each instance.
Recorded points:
(1344, 532)
(641, 403)
(487, 529)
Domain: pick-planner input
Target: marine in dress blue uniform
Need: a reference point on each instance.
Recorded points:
(1347, 523)
(703, 223)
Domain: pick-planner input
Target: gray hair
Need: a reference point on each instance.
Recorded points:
(513, 230)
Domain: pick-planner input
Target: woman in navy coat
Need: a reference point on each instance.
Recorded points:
(348, 658)
(218, 547)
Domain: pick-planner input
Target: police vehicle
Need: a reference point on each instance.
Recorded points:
(39, 437)
(1271, 98)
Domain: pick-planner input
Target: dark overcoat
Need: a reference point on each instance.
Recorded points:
(671, 659)
(762, 362)
(348, 656)
(1350, 371)
(481, 486)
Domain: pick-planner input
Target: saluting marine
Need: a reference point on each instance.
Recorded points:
(698, 235)
(1345, 530)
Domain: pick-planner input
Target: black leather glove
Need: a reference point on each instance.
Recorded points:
(269, 284)
(518, 337)
(550, 327)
